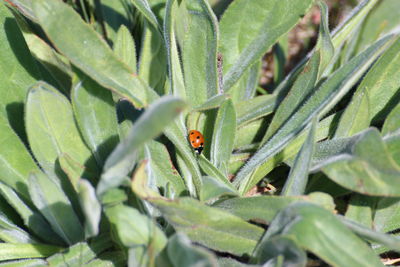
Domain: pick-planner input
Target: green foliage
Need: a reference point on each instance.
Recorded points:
(96, 168)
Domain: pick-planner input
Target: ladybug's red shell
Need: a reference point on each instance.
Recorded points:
(196, 140)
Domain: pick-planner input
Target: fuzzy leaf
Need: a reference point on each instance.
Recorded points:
(382, 82)
(250, 28)
(84, 48)
(361, 163)
(25, 251)
(199, 53)
(152, 59)
(55, 207)
(95, 114)
(254, 108)
(175, 75)
(51, 129)
(318, 103)
(31, 217)
(356, 116)
(182, 253)
(392, 122)
(209, 226)
(160, 166)
(321, 233)
(15, 161)
(213, 189)
(298, 177)
(240, 206)
(91, 208)
(161, 113)
(125, 49)
(223, 136)
(135, 229)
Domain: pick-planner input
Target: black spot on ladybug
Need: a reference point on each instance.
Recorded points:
(198, 137)
(192, 142)
(201, 144)
(191, 133)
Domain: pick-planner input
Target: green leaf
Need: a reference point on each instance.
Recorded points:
(351, 23)
(112, 14)
(229, 262)
(210, 227)
(393, 144)
(320, 232)
(84, 48)
(245, 87)
(24, 263)
(298, 94)
(160, 167)
(107, 259)
(152, 122)
(248, 135)
(135, 229)
(382, 19)
(144, 9)
(384, 239)
(288, 152)
(125, 49)
(383, 82)
(386, 215)
(363, 164)
(236, 161)
(392, 122)
(321, 101)
(223, 136)
(152, 59)
(17, 70)
(175, 75)
(211, 103)
(254, 108)
(279, 251)
(91, 208)
(360, 209)
(114, 196)
(25, 251)
(339, 36)
(25, 7)
(199, 53)
(94, 111)
(214, 172)
(182, 253)
(356, 116)
(139, 256)
(55, 64)
(55, 207)
(141, 184)
(81, 253)
(31, 217)
(11, 233)
(15, 161)
(298, 177)
(212, 189)
(249, 29)
(72, 169)
(240, 206)
(51, 129)
(324, 44)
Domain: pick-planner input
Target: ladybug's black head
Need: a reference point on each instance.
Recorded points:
(198, 150)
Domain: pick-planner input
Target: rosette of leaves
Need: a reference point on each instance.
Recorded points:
(97, 98)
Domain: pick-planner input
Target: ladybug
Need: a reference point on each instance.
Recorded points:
(196, 140)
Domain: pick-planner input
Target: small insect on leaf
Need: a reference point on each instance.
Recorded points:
(196, 140)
